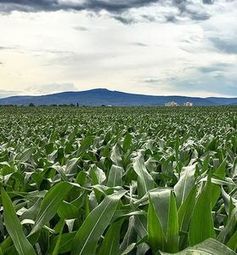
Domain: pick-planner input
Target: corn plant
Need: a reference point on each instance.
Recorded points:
(142, 180)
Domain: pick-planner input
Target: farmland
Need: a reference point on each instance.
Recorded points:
(84, 181)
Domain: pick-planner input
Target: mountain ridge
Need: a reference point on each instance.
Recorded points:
(101, 96)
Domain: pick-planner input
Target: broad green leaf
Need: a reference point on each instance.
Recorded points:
(184, 214)
(116, 155)
(230, 227)
(57, 245)
(25, 155)
(14, 227)
(156, 236)
(208, 247)
(71, 165)
(201, 225)
(50, 204)
(115, 176)
(88, 235)
(67, 210)
(172, 236)
(141, 226)
(220, 172)
(145, 180)
(110, 244)
(185, 184)
(85, 144)
(65, 243)
(127, 142)
(163, 225)
(130, 237)
(160, 200)
(232, 243)
(97, 175)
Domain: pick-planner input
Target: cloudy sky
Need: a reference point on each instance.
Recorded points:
(181, 47)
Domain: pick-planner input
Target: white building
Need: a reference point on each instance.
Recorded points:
(188, 104)
(173, 103)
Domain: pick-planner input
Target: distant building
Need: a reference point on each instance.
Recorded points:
(188, 104)
(173, 103)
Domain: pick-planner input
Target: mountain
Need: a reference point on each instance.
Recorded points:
(98, 97)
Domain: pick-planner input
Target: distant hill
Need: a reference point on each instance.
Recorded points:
(98, 97)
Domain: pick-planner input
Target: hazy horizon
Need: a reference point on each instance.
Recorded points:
(169, 47)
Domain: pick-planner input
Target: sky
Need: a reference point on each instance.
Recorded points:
(166, 47)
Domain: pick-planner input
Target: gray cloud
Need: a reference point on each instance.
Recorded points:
(140, 44)
(6, 48)
(226, 45)
(124, 20)
(152, 80)
(115, 7)
(81, 28)
(49, 5)
(219, 67)
(211, 85)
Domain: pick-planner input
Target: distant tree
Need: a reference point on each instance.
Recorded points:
(31, 105)
(77, 104)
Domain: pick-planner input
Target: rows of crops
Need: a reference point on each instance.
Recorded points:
(117, 181)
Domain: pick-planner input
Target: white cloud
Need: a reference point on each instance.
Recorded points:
(50, 88)
(150, 55)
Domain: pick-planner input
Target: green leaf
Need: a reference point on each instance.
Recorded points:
(145, 180)
(85, 241)
(160, 199)
(208, 247)
(232, 243)
(50, 204)
(85, 144)
(71, 165)
(230, 227)
(185, 184)
(25, 155)
(163, 224)
(220, 172)
(201, 225)
(172, 236)
(65, 243)
(184, 214)
(67, 210)
(116, 155)
(110, 245)
(156, 237)
(14, 227)
(115, 176)
(130, 236)
(57, 245)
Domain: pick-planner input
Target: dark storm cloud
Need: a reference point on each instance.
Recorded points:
(94, 5)
(48, 5)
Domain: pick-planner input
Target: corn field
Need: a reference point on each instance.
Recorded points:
(117, 181)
